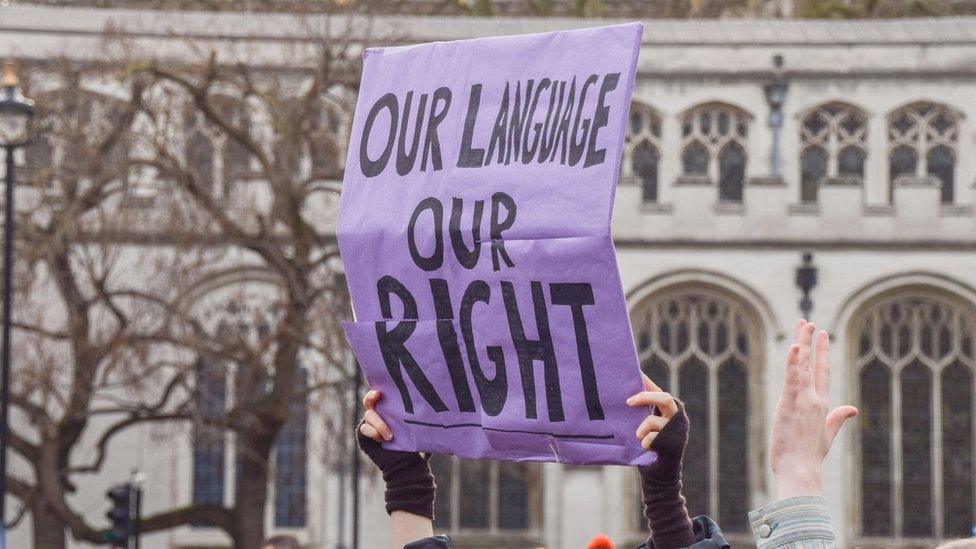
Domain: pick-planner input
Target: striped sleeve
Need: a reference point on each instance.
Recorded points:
(793, 523)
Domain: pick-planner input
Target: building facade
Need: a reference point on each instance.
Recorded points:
(751, 144)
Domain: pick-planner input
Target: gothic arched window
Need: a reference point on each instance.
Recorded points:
(922, 142)
(291, 462)
(692, 341)
(642, 150)
(84, 136)
(308, 142)
(834, 145)
(732, 172)
(486, 498)
(813, 170)
(209, 441)
(324, 138)
(213, 156)
(914, 372)
(713, 146)
(694, 159)
(238, 377)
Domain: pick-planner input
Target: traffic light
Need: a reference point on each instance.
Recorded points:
(121, 515)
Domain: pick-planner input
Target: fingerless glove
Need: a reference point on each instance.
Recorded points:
(664, 506)
(409, 482)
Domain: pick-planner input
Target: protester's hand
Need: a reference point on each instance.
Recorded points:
(803, 430)
(664, 431)
(373, 431)
(373, 425)
(409, 483)
(661, 408)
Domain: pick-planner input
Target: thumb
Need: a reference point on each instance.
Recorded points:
(836, 419)
(648, 384)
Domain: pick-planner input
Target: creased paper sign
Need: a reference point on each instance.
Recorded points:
(474, 227)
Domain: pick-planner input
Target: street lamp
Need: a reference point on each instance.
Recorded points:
(806, 279)
(775, 92)
(16, 125)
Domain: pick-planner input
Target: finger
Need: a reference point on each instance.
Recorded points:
(804, 369)
(648, 440)
(791, 383)
(650, 425)
(821, 365)
(796, 331)
(370, 432)
(370, 399)
(664, 402)
(377, 422)
(648, 384)
(836, 419)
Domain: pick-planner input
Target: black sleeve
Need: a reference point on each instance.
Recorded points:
(707, 536)
(436, 542)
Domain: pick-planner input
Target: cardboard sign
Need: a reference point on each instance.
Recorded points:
(474, 227)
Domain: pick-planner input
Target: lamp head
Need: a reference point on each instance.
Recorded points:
(10, 79)
(16, 111)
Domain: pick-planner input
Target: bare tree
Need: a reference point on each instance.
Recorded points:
(197, 167)
(83, 346)
(267, 217)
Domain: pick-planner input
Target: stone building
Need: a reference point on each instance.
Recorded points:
(754, 147)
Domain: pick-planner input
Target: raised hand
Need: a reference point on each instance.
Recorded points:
(803, 430)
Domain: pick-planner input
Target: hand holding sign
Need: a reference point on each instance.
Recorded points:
(661, 405)
(475, 233)
(373, 425)
(658, 401)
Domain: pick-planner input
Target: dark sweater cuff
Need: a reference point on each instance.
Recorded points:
(410, 487)
(666, 513)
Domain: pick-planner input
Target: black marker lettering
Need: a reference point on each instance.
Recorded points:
(600, 119)
(500, 225)
(449, 343)
(395, 353)
(576, 296)
(499, 131)
(432, 146)
(370, 167)
(518, 122)
(555, 107)
(436, 258)
(405, 160)
(529, 153)
(529, 351)
(471, 157)
(467, 258)
(562, 132)
(493, 392)
(576, 148)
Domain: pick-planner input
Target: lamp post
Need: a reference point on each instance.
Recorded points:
(775, 97)
(806, 279)
(16, 121)
(356, 460)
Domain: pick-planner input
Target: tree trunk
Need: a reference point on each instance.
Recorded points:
(49, 531)
(252, 490)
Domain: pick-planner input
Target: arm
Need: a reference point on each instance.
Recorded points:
(803, 431)
(801, 522)
(409, 482)
(664, 432)
(408, 527)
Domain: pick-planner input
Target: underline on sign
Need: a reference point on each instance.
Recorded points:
(519, 431)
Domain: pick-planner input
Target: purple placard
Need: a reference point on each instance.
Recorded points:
(474, 228)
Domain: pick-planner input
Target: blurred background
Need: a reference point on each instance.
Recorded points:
(177, 287)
